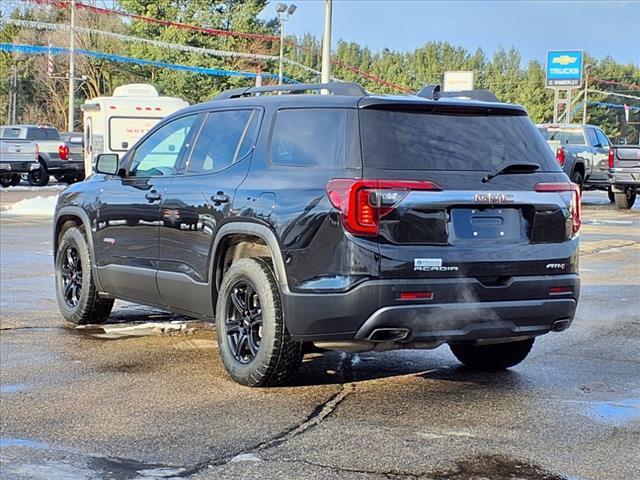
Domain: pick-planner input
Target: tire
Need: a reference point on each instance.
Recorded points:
(625, 201)
(611, 195)
(576, 177)
(492, 357)
(5, 182)
(15, 180)
(76, 293)
(256, 349)
(39, 177)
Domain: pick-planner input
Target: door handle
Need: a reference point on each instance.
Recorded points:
(219, 198)
(152, 196)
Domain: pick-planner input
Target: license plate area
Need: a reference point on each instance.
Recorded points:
(488, 223)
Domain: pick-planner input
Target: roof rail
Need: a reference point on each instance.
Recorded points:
(335, 88)
(433, 92)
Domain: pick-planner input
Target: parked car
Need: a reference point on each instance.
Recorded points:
(624, 173)
(16, 158)
(75, 142)
(53, 153)
(351, 221)
(582, 151)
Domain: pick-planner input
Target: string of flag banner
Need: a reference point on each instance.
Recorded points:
(157, 43)
(51, 51)
(64, 4)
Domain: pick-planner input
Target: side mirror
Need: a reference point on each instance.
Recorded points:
(107, 163)
(125, 144)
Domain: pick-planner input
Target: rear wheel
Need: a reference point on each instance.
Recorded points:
(254, 343)
(38, 177)
(76, 293)
(626, 199)
(6, 182)
(492, 357)
(576, 177)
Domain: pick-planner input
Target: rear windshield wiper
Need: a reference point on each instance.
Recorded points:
(511, 167)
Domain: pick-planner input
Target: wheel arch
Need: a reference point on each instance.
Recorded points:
(264, 241)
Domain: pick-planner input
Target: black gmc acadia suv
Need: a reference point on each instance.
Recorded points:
(351, 221)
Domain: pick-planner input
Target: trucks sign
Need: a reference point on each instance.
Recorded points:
(564, 69)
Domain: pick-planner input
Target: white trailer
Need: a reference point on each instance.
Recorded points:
(114, 124)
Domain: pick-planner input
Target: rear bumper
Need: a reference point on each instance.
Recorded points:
(460, 309)
(67, 166)
(624, 178)
(10, 168)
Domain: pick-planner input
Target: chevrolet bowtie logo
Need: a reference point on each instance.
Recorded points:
(564, 60)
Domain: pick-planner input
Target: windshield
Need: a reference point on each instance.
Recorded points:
(410, 140)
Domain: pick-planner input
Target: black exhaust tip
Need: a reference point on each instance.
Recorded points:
(560, 325)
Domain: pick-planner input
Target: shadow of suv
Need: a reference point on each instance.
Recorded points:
(352, 221)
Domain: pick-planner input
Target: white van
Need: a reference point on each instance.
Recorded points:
(114, 124)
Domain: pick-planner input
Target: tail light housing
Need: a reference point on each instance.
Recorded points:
(560, 156)
(611, 158)
(363, 203)
(63, 151)
(574, 208)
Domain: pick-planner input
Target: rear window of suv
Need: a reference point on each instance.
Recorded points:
(415, 140)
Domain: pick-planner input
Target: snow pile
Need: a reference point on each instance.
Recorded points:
(33, 207)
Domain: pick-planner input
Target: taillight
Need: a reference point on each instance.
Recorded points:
(560, 155)
(575, 199)
(611, 158)
(364, 202)
(63, 151)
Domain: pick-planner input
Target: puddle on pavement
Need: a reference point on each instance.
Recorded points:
(13, 388)
(615, 412)
(112, 331)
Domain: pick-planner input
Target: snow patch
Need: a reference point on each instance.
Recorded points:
(34, 207)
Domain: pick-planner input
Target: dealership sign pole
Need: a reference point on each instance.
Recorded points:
(564, 73)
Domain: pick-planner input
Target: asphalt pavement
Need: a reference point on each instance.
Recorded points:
(147, 396)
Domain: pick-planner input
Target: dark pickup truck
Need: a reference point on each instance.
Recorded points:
(624, 174)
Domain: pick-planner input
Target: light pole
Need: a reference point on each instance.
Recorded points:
(586, 91)
(326, 43)
(284, 12)
(72, 67)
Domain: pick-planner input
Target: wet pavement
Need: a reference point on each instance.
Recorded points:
(146, 396)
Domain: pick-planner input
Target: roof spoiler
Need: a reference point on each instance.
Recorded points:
(335, 88)
(433, 92)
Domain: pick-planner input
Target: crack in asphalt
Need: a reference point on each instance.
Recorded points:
(384, 473)
(599, 250)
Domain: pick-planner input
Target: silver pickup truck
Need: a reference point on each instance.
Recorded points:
(16, 158)
(624, 174)
(53, 153)
(583, 153)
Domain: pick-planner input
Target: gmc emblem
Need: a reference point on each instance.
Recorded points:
(493, 197)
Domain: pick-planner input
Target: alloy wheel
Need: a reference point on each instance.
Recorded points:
(71, 272)
(244, 322)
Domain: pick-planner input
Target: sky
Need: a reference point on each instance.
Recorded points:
(533, 27)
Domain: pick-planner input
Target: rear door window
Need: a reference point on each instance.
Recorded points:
(225, 137)
(602, 139)
(416, 140)
(310, 137)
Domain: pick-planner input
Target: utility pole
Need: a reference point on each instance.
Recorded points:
(284, 12)
(326, 43)
(11, 114)
(72, 68)
(586, 91)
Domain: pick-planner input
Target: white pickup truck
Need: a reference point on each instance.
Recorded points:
(16, 158)
(53, 153)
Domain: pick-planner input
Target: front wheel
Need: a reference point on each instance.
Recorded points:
(626, 199)
(497, 356)
(76, 292)
(254, 343)
(38, 177)
(576, 177)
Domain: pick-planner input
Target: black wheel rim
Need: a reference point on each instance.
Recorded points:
(244, 322)
(71, 273)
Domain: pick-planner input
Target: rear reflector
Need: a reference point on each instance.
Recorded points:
(364, 202)
(416, 296)
(560, 290)
(575, 199)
